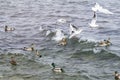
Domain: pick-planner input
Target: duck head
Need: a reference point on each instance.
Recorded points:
(12, 61)
(6, 28)
(53, 65)
(116, 72)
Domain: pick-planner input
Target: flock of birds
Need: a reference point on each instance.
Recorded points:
(73, 33)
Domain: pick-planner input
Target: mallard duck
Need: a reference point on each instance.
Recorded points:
(102, 43)
(9, 28)
(108, 41)
(63, 42)
(37, 53)
(56, 69)
(28, 48)
(13, 61)
(117, 76)
(105, 42)
(31, 48)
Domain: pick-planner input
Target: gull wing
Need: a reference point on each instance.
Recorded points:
(76, 33)
(103, 10)
(99, 8)
(72, 28)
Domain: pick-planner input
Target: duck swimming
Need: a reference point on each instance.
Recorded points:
(63, 42)
(37, 53)
(9, 29)
(56, 69)
(117, 76)
(31, 48)
(13, 61)
(105, 43)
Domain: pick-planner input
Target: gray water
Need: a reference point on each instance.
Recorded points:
(78, 59)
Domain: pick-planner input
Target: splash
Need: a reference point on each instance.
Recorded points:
(59, 35)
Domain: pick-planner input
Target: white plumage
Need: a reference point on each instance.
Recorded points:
(93, 22)
(74, 31)
(99, 8)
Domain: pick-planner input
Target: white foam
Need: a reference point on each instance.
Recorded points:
(61, 20)
(59, 35)
(41, 29)
(48, 32)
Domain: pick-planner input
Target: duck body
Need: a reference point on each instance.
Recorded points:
(12, 61)
(63, 42)
(9, 28)
(56, 69)
(102, 44)
(37, 53)
(28, 48)
(117, 76)
(105, 43)
(31, 48)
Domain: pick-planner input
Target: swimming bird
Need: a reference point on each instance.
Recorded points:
(56, 69)
(31, 48)
(102, 43)
(63, 42)
(9, 28)
(93, 22)
(13, 61)
(74, 31)
(117, 76)
(105, 43)
(37, 53)
(99, 8)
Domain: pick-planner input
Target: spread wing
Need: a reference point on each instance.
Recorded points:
(99, 8)
(76, 33)
(106, 11)
(72, 28)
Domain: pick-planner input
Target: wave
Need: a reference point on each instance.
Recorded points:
(89, 54)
